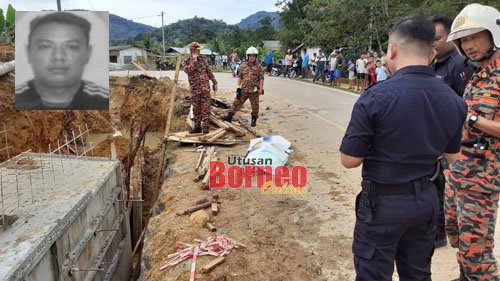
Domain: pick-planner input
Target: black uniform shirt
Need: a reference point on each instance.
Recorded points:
(454, 71)
(402, 125)
(89, 96)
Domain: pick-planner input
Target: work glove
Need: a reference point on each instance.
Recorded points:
(238, 93)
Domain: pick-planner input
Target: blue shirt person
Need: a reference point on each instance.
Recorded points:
(381, 72)
(398, 129)
(305, 64)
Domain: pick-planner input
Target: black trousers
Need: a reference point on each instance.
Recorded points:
(402, 231)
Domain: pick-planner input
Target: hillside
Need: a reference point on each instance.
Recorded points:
(252, 22)
(185, 31)
(121, 28)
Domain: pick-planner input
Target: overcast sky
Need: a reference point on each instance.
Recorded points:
(147, 11)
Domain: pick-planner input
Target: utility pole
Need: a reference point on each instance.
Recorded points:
(162, 39)
(59, 5)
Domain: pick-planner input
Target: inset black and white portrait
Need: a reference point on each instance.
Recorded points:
(62, 60)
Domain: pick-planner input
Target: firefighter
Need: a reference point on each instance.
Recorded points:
(250, 86)
(199, 76)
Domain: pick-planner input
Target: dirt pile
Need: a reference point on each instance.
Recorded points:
(35, 130)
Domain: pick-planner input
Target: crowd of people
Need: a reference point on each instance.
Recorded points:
(367, 70)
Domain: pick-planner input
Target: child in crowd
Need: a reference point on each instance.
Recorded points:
(352, 76)
(372, 76)
(381, 72)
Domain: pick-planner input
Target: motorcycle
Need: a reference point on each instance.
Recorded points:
(294, 70)
(235, 68)
(277, 69)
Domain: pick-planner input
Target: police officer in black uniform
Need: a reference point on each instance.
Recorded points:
(455, 71)
(58, 51)
(449, 65)
(398, 129)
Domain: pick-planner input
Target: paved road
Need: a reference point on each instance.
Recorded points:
(314, 118)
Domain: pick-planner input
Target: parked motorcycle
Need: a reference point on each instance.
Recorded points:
(277, 69)
(235, 68)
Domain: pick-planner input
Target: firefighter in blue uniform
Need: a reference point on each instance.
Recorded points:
(398, 129)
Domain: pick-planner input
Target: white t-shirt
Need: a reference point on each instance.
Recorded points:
(361, 66)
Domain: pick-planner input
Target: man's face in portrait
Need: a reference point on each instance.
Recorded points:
(58, 54)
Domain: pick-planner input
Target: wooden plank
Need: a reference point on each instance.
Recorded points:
(200, 158)
(194, 209)
(224, 124)
(211, 265)
(172, 98)
(141, 69)
(196, 141)
(218, 135)
(211, 134)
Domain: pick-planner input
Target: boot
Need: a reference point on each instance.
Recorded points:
(205, 129)
(195, 130)
(254, 120)
(228, 117)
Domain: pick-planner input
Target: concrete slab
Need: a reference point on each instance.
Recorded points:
(46, 195)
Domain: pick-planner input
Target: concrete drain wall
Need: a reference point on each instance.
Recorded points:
(70, 223)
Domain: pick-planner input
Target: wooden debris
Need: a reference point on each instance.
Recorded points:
(215, 197)
(215, 209)
(210, 227)
(245, 125)
(201, 201)
(217, 135)
(200, 158)
(141, 69)
(195, 140)
(226, 125)
(211, 265)
(194, 209)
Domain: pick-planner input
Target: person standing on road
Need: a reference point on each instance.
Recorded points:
(352, 76)
(269, 61)
(361, 69)
(224, 61)
(199, 76)
(320, 67)
(473, 183)
(392, 134)
(250, 86)
(298, 59)
(338, 68)
(332, 67)
(288, 63)
(305, 64)
(380, 72)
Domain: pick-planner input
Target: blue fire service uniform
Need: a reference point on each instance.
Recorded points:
(400, 128)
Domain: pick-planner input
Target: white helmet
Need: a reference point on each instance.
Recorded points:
(472, 19)
(252, 51)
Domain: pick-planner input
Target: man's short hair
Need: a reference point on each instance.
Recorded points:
(305, 50)
(414, 35)
(61, 18)
(444, 20)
